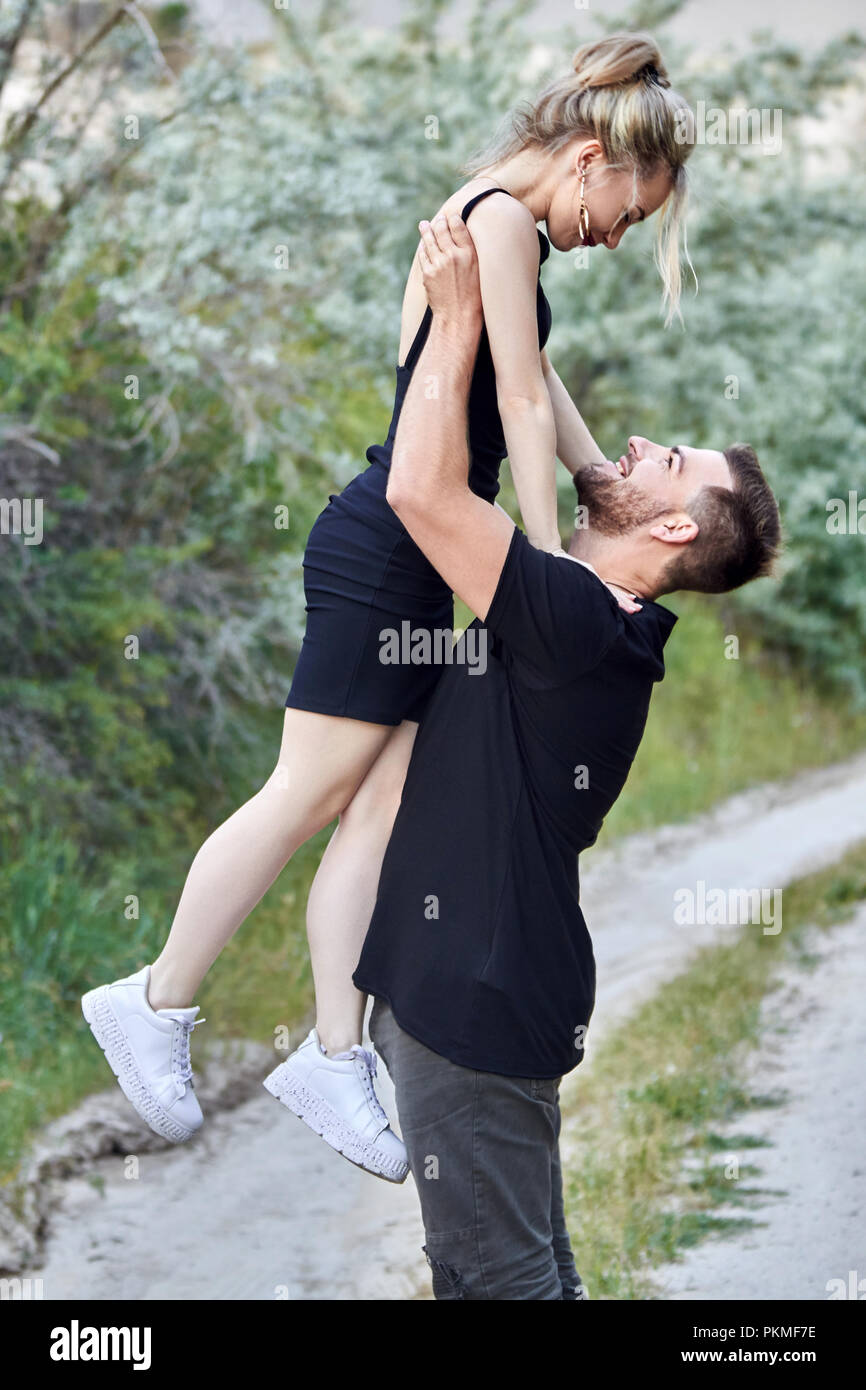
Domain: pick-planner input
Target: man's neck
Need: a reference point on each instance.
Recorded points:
(610, 561)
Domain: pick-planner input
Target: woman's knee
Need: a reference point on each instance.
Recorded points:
(304, 810)
(373, 808)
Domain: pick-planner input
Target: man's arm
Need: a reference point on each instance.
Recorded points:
(575, 446)
(463, 537)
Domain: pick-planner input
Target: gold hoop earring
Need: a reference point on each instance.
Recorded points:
(583, 214)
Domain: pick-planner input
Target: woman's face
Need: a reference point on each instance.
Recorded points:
(613, 200)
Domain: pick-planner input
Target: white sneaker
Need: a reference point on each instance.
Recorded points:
(336, 1098)
(148, 1051)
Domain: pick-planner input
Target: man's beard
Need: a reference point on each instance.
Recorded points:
(613, 509)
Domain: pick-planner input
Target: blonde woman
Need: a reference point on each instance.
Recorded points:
(597, 152)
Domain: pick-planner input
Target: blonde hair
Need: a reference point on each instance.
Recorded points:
(619, 94)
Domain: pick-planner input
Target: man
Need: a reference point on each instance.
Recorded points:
(477, 954)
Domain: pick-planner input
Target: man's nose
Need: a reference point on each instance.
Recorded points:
(637, 444)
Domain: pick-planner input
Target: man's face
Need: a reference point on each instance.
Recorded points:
(648, 481)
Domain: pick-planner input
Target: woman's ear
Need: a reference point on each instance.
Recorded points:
(586, 152)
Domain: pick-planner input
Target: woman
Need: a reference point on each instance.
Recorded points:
(597, 151)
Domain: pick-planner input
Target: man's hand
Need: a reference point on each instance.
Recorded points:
(449, 267)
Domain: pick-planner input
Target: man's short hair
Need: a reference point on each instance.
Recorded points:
(740, 531)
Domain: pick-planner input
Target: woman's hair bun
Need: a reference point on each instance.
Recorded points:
(619, 59)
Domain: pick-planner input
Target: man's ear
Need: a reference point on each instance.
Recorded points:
(676, 529)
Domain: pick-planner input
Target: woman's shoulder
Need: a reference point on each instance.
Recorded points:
(500, 221)
(475, 193)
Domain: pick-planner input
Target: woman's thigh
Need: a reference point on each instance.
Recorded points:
(373, 808)
(323, 760)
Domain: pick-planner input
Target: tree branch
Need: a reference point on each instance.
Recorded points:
(9, 45)
(20, 129)
(150, 38)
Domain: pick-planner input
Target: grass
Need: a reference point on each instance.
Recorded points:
(715, 726)
(61, 935)
(644, 1180)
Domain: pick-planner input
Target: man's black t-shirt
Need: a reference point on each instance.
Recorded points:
(477, 939)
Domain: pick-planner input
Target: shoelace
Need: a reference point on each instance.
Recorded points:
(368, 1071)
(181, 1066)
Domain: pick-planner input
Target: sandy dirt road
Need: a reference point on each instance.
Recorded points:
(809, 1237)
(259, 1208)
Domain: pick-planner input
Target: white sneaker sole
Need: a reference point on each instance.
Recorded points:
(315, 1111)
(105, 1027)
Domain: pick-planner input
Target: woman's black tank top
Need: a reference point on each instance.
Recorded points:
(486, 438)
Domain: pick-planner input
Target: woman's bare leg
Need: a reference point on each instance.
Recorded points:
(323, 760)
(343, 893)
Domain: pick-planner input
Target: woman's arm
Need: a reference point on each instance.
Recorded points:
(506, 243)
(575, 446)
